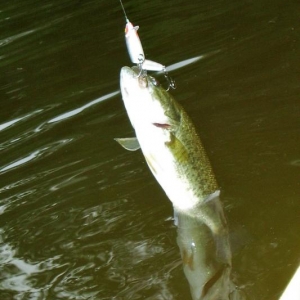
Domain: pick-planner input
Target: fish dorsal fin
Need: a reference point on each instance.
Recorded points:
(131, 144)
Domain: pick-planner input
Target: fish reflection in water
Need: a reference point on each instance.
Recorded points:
(206, 256)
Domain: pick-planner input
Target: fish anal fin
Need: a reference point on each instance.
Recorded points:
(130, 144)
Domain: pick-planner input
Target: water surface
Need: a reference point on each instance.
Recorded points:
(83, 219)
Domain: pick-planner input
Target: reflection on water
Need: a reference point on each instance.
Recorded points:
(12, 122)
(79, 110)
(81, 219)
(19, 276)
(41, 152)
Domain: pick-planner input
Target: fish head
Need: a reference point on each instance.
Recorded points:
(147, 103)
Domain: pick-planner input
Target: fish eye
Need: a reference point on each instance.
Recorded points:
(154, 81)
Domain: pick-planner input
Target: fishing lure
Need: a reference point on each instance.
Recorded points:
(136, 52)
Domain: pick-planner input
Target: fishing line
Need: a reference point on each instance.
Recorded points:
(124, 11)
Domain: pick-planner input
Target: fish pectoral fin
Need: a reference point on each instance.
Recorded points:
(131, 144)
(178, 149)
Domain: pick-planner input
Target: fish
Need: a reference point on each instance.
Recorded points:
(169, 142)
(176, 157)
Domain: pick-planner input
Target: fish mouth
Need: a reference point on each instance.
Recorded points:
(131, 77)
(127, 80)
(129, 72)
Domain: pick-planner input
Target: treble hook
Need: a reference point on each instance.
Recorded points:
(170, 80)
(141, 60)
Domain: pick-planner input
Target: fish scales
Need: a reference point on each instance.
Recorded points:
(197, 167)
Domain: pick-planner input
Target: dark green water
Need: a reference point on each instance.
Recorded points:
(83, 219)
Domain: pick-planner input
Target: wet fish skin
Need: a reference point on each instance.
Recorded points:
(168, 140)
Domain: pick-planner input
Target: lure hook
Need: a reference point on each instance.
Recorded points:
(136, 53)
(170, 80)
(141, 60)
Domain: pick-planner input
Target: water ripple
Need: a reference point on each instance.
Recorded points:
(18, 274)
(43, 152)
(82, 108)
(16, 120)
